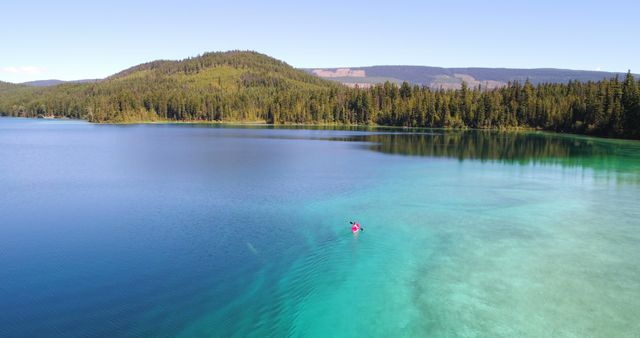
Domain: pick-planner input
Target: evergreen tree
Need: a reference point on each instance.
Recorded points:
(631, 104)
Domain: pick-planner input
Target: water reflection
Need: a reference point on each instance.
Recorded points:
(608, 158)
(602, 155)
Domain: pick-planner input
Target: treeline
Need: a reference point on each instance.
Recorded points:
(605, 108)
(247, 86)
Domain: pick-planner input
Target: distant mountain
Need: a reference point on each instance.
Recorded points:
(451, 78)
(43, 83)
(54, 82)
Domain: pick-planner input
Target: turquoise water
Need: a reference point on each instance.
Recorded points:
(161, 230)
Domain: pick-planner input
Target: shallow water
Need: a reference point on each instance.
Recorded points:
(178, 230)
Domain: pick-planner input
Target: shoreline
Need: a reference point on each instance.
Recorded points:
(337, 126)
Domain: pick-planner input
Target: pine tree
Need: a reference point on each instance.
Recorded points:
(631, 104)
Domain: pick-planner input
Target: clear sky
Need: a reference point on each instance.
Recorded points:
(92, 39)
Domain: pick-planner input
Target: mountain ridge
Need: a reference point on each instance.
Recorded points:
(452, 77)
(430, 76)
(54, 82)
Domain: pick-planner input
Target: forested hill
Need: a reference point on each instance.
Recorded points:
(248, 66)
(231, 86)
(248, 86)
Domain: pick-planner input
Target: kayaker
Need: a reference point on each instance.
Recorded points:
(355, 226)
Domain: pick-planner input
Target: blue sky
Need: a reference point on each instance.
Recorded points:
(93, 39)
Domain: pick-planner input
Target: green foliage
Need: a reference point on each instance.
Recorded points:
(248, 86)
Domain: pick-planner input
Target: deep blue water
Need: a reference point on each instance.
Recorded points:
(183, 230)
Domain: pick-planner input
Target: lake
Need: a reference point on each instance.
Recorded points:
(196, 230)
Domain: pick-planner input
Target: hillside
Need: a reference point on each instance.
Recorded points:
(451, 78)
